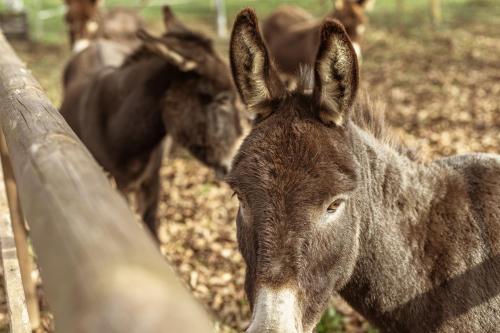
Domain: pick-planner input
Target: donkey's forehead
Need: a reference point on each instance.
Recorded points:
(295, 152)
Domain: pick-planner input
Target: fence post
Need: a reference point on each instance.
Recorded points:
(20, 236)
(101, 270)
(436, 13)
(221, 18)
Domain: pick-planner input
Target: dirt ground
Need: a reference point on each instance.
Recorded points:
(440, 88)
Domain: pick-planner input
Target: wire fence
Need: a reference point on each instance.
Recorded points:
(40, 12)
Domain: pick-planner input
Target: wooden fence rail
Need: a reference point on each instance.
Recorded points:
(101, 270)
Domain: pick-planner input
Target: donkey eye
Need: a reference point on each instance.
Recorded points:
(334, 206)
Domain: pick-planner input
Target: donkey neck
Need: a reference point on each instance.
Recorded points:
(141, 89)
(393, 208)
(397, 191)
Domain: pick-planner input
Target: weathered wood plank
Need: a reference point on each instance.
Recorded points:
(20, 236)
(102, 272)
(18, 312)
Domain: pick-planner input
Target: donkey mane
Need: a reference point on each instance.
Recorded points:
(367, 114)
(370, 116)
(177, 34)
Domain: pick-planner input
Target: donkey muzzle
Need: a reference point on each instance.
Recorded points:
(276, 311)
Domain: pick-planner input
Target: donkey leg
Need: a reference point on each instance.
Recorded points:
(149, 190)
(168, 146)
(150, 193)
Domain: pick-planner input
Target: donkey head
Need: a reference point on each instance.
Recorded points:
(201, 110)
(81, 19)
(295, 176)
(352, 15)
(121, 24)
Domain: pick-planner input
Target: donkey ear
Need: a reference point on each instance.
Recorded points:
(169, 19)
(254, 74)
(158, 46)
(167, 13)
(171, 22)
(336, 74)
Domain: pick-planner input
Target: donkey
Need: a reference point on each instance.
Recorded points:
(95, 52)
(328, 205)
(173, 85)
(292, 34)
(87, 22)
(98, 54)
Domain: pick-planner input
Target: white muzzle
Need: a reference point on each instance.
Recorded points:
(276, 311)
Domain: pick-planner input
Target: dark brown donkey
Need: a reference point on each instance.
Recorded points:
(327, 204)
(292, 34)
(175, 84)
(86, 22)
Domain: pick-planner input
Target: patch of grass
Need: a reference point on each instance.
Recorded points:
(334, 322)
(415, 12)
(53, 29)
(372, 330)
(205, 188)
(331, 322)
